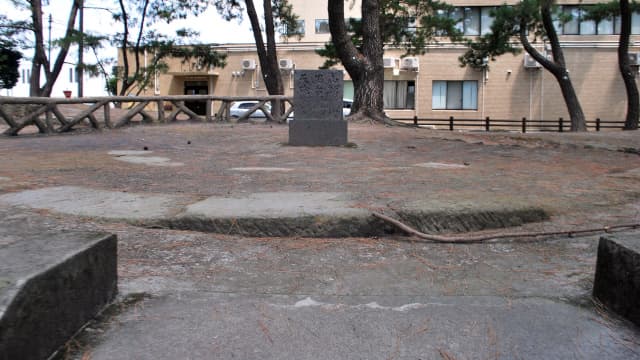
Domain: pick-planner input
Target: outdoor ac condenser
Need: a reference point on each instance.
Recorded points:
(410, 63)
(248, 64)
(286, 64)
(389, 62)
(530, 62)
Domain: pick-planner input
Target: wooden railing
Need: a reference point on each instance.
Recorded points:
(56, 115)
(523, 125)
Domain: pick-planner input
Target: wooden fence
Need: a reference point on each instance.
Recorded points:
(57, 115)
(523, 125)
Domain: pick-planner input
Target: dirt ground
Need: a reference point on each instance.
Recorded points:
(199, 295)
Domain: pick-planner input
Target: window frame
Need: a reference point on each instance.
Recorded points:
(443, 94)
(410, 95)
(319, 25)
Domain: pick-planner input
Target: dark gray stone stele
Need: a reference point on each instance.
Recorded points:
(617, 280)
(318, 109)
(50, 286)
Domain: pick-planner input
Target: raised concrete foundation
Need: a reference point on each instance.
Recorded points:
(617, 281)
(318, 133)
(51, 284)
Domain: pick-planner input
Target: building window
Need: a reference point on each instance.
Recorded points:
(322, 26)
(579, 26)
(486, 19)
(70, 75)
(24, 78)
(299, 31)
(399, 94)
(455, 95)
(470, 20)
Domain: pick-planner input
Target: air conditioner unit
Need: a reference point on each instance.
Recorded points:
(530, 62)
(248, 64)
(410, 63)
(634, 59)
(389, 62)
(286, 64)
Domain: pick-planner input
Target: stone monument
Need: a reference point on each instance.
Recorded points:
(318, 109)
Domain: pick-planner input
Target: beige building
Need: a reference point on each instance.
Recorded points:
(433, 85)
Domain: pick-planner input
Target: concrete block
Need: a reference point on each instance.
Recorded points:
(318, 133)
(318, 94)
(617, 280)
(51, 284)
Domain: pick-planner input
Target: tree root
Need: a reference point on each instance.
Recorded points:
(470, 239)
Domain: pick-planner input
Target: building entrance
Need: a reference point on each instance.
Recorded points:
(196, 88)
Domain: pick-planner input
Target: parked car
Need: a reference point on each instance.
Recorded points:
(346, 109)
(239, 108)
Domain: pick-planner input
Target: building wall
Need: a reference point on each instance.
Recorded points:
(506, 90)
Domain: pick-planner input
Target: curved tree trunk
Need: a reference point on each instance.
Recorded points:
(557, 67)
(628, 76)
(366, 67)
(267, 55)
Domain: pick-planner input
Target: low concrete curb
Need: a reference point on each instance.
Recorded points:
(51, 284)
(617, 280)
(354, 225)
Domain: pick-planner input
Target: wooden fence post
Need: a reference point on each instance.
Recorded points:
(524, 125)
(450, 123)
(487, 125)
(560, 125)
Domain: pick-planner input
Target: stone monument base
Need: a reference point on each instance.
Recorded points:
(318, 133)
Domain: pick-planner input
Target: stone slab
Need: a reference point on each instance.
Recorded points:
(276, 205)
(51, 284)
(318, 133)
(617, 279)
(83, 201)
(318, 94)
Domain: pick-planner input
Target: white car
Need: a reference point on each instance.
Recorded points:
(239, 108)
(346, 109)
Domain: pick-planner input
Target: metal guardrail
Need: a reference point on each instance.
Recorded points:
(48, 116)
(523, 125)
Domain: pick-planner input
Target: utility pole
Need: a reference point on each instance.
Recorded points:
(49, 46)
(80, 66)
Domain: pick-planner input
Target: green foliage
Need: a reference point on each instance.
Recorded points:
(607, 11)
(112, 85)
(498, 42)
(508, 21)
(409, 24)
(184, 45)
(9, 64)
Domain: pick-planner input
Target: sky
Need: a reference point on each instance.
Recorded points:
(212, 28)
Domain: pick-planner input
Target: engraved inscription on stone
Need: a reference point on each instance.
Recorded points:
(318, 94)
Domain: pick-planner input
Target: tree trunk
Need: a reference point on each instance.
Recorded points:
(628, 76)
(366, 67)
(557, 67)
(40, 60)
(267, 56)
(127, 80)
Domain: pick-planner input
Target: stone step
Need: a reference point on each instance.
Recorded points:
(51, 284)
